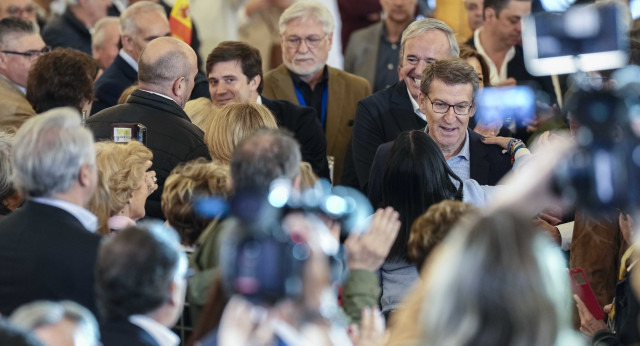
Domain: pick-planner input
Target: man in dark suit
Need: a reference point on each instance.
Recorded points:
(235, 75)
(139, 24)
(383, 116)
(47, 247)
(73, 28)
(166, 71)
(446, 98)
(141, 284)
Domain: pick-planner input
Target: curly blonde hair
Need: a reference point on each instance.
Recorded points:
(430, 228)
(186, 183)
(121, 167)
(231, 124)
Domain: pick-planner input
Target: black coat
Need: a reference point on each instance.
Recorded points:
(108, 88)
(380, 118)
(303, 123)
(487, 165)
(171, 136)
(45, 253)
(125, 333)
(67, 31)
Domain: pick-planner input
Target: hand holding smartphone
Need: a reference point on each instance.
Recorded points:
(580, 286)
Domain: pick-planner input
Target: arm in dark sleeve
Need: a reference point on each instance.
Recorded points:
(313, 144)
(367, 136)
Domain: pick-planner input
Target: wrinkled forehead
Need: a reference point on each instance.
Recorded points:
(22, 41)
(306, 25)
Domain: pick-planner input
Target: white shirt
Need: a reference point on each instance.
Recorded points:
(496, 75)
(86, 218)
(161, 334)
(21, 88)
(416, 107)
(161, 95)
(131, 61)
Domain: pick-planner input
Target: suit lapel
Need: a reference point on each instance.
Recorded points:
(479, 164)
(402, 108)
(283, 88)
(337, 89)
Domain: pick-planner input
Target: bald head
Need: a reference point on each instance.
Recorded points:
(164, 63)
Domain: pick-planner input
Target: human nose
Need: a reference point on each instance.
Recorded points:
(303, 47)
(221, 89)
(420, 66)
(450, 115)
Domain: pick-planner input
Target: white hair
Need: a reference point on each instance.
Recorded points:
(128, 23)
(97, 38)
(49, 150)
(422, 26)
(304, 10)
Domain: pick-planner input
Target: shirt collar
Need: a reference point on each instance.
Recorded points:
(464, 152)
(495, 76)
(21, 88)
(416, 107)
(161, 95)
(297, 80)
(259, 100)
(86, 218)
(161, 334)
(131, 61)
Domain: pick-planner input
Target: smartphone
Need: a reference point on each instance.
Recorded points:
(126, 132)
(580, 286)
(507, 104)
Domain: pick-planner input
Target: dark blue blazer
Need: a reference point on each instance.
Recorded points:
(487, 165)
(46, 253)
(305, 126)
(67, 31)
(117, 77)
(125, 333)
(380, 118)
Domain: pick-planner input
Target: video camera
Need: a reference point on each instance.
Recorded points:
(263, 259)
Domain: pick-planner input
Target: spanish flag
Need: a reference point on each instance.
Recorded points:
(180, 21)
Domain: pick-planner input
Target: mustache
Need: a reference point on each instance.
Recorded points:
(303, 57)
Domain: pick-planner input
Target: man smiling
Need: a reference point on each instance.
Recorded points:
(306, 31)
(381, 117)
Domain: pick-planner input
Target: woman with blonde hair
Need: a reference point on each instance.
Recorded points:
(201, 112)
(231, 124)
(124, 183)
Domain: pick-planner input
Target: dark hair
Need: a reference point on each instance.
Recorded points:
(467, 52)
(497, 5)
(135, 269)
(249, 57)
(266, 155)
(416, 177)
(15, 25)
(451, 71)
(63, 77)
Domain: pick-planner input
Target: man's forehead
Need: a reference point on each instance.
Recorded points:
(430, 44)
(459, 90)
(28, 41)
(305, 25)
(516, 8)
(18, 3)
(226, 68)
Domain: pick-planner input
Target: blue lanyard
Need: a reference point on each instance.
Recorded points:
(325, 98)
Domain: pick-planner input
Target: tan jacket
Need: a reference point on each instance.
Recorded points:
(345, 90)
(12, 101)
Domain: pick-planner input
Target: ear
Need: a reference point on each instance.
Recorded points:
(127, 42)
(421, 102)
(84, 176)
(178, 85)
(297, 181)
(173, 293)
(255, 82)
(488, 14)
(330, 39)
(472, 112)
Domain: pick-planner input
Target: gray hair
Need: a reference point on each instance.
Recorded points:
(173, 64)
(14, 25)
(304, 10)
(261, 158)
(44, 313)
(48, 152)
(97, 38)
(128, 23)
(422, 26)
(6, 169)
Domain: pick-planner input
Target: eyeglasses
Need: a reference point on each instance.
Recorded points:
(31, 54)
(16, 11)
(311, 41)
(443, 107)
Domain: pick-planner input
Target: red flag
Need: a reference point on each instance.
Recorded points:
(180, 21)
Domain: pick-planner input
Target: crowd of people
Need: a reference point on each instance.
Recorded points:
(287, 201)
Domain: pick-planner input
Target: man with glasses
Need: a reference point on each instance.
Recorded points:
(306, 31)
(446, 97)
(20, 46)
(381, 117)
(24, 9)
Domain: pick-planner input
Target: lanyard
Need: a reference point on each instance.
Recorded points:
(325, 97)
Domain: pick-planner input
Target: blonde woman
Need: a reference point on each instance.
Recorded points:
(124, 183)
(231, 124)
(201, 112)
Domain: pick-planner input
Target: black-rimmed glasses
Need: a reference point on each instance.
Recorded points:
(443, 107)
(31, 54)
